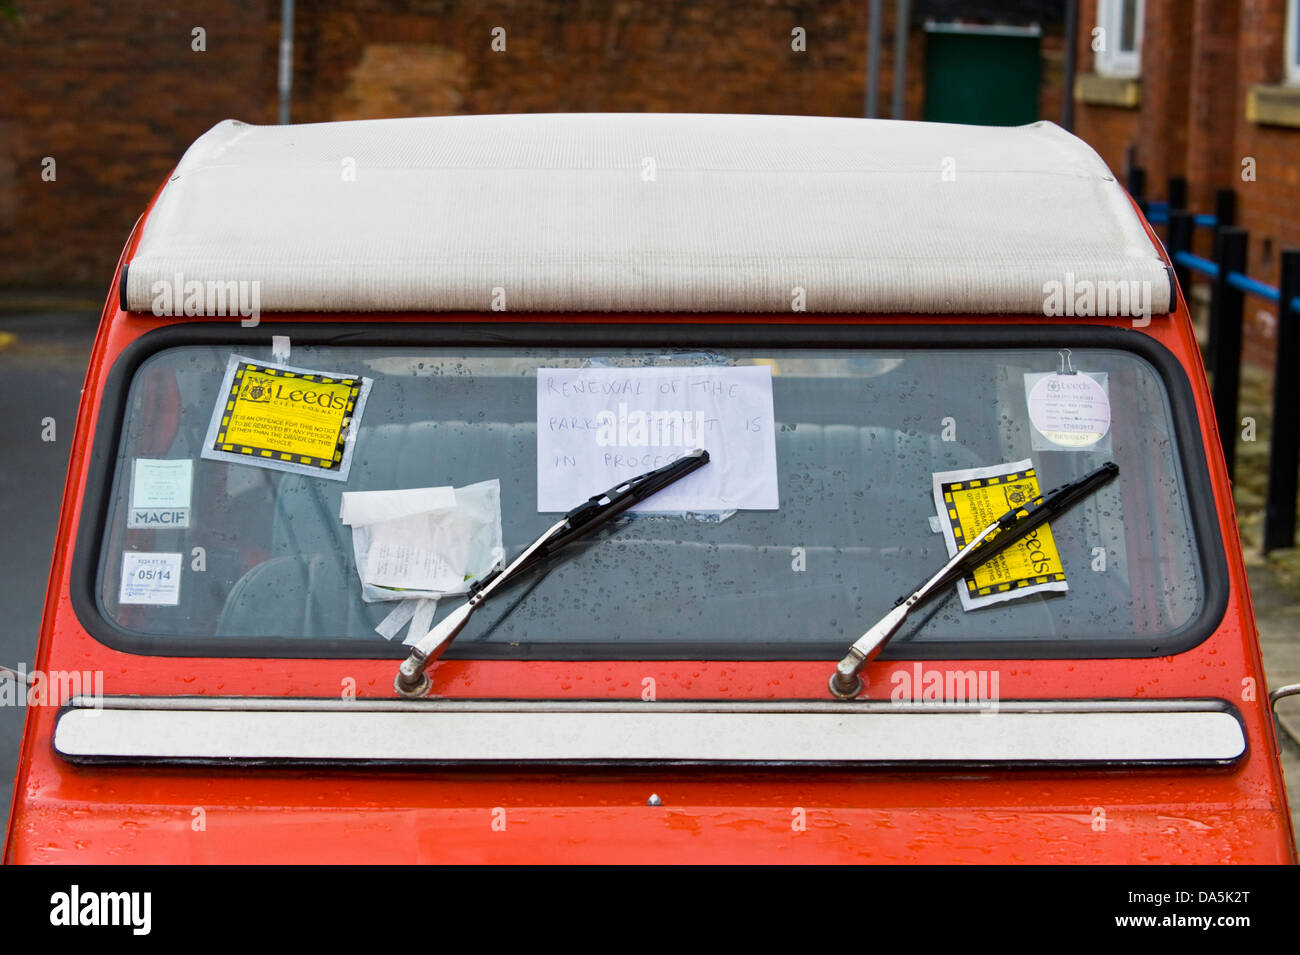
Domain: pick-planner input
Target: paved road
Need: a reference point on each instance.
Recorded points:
(42, 363)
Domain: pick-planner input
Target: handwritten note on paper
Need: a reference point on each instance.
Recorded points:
(599, 426)
(428, 541)
(400, 554)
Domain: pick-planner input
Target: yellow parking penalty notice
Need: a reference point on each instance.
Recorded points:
(971, 499)
(286, 418)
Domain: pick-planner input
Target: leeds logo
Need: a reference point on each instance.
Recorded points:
(256, 390)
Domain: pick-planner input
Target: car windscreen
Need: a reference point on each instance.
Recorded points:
(265, 567)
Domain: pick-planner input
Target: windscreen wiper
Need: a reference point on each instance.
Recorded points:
(1006, 530)
(412, 680)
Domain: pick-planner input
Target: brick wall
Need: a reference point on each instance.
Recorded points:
(1199, 60)
(115, 93)
(1213, 95)
(1162, 123)
(561, 56)
(112, 93)
(1108, 129)
(1053, 83)
(1270, 206)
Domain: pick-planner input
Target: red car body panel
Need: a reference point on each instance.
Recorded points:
(113, 814)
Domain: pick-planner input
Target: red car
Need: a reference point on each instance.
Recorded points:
(347, 374)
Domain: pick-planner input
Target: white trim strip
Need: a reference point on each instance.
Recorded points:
(243, 730)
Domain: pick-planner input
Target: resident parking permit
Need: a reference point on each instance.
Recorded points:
(160, 493)
(287, 419)
(153, 579)
(1069, 412)
(970, 500)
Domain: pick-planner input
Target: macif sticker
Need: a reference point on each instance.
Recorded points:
(153, 579)
(970, 500)
(1069, 412)
(287, 419)
(160, 493)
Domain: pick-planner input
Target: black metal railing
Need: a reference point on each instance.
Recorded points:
(1230, 284)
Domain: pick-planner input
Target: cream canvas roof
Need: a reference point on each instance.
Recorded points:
(645, 212)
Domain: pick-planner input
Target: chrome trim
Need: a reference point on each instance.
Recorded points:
(259, 731)
(1282, 692)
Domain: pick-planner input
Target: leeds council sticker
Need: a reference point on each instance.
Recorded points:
(286, 418)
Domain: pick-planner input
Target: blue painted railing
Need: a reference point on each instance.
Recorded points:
(1197, 264)
(1157, 213)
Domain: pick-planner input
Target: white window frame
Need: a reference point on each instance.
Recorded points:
(1111, 60)
(1292, 42)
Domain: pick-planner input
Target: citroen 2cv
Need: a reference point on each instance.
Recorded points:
(337, 546)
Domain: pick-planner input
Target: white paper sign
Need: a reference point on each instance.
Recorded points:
(423, 542)
(373, 507)
(429, 552)
(599, 426)
(153, 579)
(160, 493)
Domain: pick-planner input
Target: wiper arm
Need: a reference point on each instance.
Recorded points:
(413, 681)
(845, 683)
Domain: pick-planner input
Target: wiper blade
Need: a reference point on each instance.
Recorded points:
(845, 683)
(600, 509)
